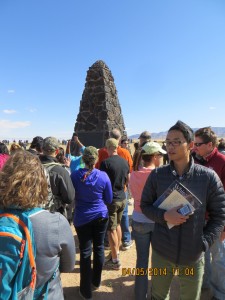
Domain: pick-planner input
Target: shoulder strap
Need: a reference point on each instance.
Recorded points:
(50, 165)
(21, 220)
(35, 211)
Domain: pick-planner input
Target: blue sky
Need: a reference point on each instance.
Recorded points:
(166, 56)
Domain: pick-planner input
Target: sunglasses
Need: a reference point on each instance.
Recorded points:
(199, 144)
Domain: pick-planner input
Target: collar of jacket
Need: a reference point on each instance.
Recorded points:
(211, 154)
(47, 159)
(186, 174)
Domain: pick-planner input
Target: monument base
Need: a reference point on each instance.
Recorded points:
(96, 139)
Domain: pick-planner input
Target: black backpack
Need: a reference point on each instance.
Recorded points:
(54, 203)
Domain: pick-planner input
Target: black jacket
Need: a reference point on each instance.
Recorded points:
(185, 244)
(60, 180)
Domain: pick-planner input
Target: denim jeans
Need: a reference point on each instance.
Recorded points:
(214, 277)
(126, 235)
(142, 234)
(93, 231)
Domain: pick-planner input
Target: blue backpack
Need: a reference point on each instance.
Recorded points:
(17, 256)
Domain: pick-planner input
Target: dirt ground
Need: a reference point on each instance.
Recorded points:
(114, 285)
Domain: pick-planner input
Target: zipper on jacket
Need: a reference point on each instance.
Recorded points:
(181, 179)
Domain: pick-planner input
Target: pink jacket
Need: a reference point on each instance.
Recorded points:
(137, 183)
(3, 159)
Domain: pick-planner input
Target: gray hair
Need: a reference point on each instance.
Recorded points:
(115, 134)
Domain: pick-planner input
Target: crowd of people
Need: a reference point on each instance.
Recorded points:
(90, 188)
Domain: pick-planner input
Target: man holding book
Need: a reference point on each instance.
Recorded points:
(178, 249)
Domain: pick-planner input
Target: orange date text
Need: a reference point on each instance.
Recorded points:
(144, 271)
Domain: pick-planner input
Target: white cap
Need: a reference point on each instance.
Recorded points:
(153, 147)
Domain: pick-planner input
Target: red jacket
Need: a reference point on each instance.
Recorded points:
(216, 161)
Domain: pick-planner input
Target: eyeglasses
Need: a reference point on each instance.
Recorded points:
(199, 144)
(174, 143)
(125, 143)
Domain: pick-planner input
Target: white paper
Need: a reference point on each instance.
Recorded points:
(173, 200)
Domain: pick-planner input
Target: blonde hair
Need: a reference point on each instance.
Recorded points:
(23, 183)
(14, 147)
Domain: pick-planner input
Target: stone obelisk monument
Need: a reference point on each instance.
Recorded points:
(100, 110)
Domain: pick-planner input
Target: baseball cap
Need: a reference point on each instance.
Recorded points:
(90, 153)
(111, 143)
(153, 147)
(145, 135)
(50, 144)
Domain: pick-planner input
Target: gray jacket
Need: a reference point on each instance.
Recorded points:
(185, 244)
(55, 247)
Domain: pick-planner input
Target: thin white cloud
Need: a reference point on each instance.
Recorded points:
(9, 111)
(212, 107)
(11, 91)
(32, 110)
(16, 124)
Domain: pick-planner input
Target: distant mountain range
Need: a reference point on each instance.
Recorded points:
(219, 131)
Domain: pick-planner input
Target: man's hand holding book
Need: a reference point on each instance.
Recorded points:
(173, 217)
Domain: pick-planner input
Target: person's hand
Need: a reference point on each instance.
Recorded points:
(67, 161)
(75, 138)
(173, 217)
(222, 237)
